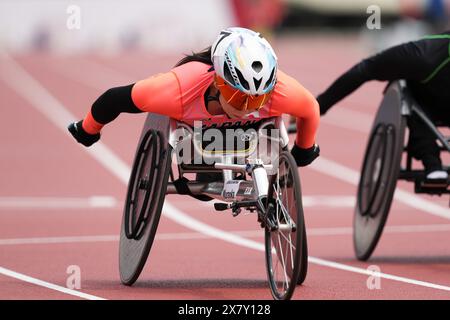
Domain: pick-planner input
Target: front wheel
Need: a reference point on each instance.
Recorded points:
(285, 243)
(304, 266)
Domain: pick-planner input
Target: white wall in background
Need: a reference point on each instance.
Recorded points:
(163, 25)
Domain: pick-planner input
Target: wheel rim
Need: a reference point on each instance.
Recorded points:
(133, 252)
(140, 195)
(380, 170)
(375, 190)
(376, 172)
(285, 242)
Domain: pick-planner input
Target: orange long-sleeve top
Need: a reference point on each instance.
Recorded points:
(179, 94)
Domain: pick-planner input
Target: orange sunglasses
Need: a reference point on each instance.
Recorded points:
(238, 99)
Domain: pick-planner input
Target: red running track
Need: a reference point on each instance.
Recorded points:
(61, 206)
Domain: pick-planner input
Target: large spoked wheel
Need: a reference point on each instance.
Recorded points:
(379, 175)
(285, 244)
(143, 205)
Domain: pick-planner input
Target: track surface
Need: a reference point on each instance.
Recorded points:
(61, 206)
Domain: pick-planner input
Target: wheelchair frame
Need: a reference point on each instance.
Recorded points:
(407, 173)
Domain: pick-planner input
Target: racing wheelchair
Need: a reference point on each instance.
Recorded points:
(264, 182)
(382, 166)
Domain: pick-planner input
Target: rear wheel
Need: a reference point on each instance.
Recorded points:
(143, 205)
(379, 174)
(375, 192)
(285, 243)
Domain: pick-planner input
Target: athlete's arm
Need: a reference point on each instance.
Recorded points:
(405, 61)
(305, 150)
(104, 110)
(156, 94)
(290, 97)
(107, 107)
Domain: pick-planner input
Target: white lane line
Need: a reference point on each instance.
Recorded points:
(99, 76)
(115, 238)
(40, 98)
(18, 79)
(349, 119)
(343, 173)
(418, 228)
(320, 201)
(26, 86)
(387, 230)
(41, 283)
(57, 202)
(243, 233)
(188, 221)
(329, 201)
(344, 267)
(58, 240)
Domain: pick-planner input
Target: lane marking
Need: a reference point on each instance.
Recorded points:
(58, 240)
(57, 202)
(185, 219)
(100, 76)
(387, 276)
(388, 229)
(337, 231)
(349, 119)
(40, 98)
(20, 81)
(329, 201)
(343, 173)
(319, 201)
(45, 284)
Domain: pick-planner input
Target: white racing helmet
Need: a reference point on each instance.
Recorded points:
(245, 60)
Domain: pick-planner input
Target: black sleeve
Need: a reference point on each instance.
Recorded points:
(113, 102)
(406, 61)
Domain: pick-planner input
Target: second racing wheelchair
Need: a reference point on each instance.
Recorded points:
(382, 166)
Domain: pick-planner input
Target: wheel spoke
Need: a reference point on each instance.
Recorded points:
(283, 263)
(274, 249)
(289, 241)
(291, 247)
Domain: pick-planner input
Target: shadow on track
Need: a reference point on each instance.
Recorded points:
(184, 284)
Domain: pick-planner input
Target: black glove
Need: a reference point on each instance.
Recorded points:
(77, 131)
(303, 157)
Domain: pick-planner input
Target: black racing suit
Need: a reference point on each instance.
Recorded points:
(425, 65)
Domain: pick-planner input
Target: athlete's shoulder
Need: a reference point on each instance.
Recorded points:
(192, 69)
(291, 97)
(288, 87)
(192, 77)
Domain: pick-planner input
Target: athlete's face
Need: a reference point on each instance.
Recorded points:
(232, 112)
